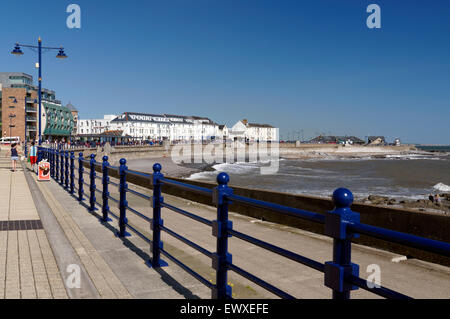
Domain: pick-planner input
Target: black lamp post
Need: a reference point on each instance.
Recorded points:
(61, 55)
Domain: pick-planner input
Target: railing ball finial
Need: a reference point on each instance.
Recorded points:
(105, 158)
(223, 178)
(80, 154)
(157, 167)
(92, 156)
(342, 197)
(122, 161)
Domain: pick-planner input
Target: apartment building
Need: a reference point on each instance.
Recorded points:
(20, 112)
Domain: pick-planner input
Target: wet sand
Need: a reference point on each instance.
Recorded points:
(169, 168)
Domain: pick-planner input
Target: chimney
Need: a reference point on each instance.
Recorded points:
(245, 121)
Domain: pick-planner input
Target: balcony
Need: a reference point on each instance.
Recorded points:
(31, 109)
(31, 119)
(30, 100)
(46, 99)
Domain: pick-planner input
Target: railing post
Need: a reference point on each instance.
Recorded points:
(336, 221)
(52, 169)
(38, 159)
(72, 172)
(220, 228)
(123, 198)
(53, 163)
(37, 154)
(41, 155)
(92, 183)
(61, 166)
(80, 177)
(57, 165)
(67, 170)
(105, 192)
(157, 221)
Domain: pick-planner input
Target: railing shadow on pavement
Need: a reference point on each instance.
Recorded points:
(165, 277)
(341, 275)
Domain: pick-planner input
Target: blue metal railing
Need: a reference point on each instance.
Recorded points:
(341, 224)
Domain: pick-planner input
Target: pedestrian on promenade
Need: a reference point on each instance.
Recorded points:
(33, 155)
(14, 156)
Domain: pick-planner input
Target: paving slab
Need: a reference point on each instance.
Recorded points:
(27, 265)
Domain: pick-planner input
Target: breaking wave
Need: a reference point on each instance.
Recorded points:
(442, 187)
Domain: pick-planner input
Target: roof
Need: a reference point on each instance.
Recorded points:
(259, 125)
(325, 139)
(173, 115)
(16, 74)
(145, 117)
(71, 107)
(169, 118)
(203, 118)
(146, 114)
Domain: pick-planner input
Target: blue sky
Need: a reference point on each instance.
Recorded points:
(311, 65)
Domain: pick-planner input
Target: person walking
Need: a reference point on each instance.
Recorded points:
(33, 155)
(14, 156)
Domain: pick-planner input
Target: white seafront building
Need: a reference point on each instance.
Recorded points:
(179, 128)
(94, 126)
(253, 132)
(176, 128)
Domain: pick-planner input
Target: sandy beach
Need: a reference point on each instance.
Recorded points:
(169, 168)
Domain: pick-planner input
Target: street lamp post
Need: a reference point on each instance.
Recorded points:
(61, 55)
(25, 139)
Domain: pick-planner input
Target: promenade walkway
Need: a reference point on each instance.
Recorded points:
(28, 267)
(34, 262)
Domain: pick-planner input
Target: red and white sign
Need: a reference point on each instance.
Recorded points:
(44, 171)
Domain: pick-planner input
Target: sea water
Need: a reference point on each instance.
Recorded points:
(412, 176)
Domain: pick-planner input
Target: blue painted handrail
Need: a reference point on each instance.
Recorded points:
(105, 190)
(341, 224)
